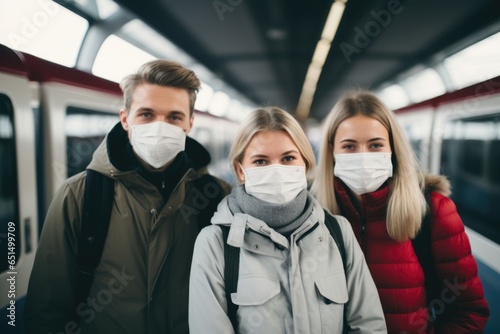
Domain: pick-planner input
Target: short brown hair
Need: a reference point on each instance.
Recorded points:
(163, 73)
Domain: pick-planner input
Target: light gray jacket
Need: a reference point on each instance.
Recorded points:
(283, 287)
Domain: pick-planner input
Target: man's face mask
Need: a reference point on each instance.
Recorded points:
(157, 143)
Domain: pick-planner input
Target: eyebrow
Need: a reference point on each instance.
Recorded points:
(174, 112)
(258, 156)
(146, 109)
(265, 156)
(355, 141)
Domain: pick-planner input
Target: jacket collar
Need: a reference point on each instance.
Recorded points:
(241, 224)
(372, 204)
(115, 154)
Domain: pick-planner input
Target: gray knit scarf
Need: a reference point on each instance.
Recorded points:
(283, 218)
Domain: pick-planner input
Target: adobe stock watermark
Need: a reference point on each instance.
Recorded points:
(88, 309)
(437, 306)
(372, 29)
(201, 200)
(221, 7)
(31, 25)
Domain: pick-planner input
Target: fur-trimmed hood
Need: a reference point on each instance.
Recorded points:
(437, 183)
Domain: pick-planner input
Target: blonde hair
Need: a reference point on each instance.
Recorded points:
(407, 204)
(162, 73)
(270, 119)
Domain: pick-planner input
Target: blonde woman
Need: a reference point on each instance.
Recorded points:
(291, 276)
(367, 173)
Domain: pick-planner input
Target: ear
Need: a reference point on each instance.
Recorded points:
(241, 174)
(190, 123)
(123, 119)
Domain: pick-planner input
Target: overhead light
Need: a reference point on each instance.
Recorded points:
(333, 20)
(321, 52)
(276, 34)
(319, 58)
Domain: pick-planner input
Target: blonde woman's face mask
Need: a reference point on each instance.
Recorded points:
(272, 168)
(362, 154)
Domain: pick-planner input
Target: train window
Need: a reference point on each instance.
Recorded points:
(204, 136)
(424, 85)
(85, 130)
(394, 97)
(494, 162)
(9, 214)
(46, 29)
(97, 9)
(472, 157)
(476, 63)
(219, 103)
(106, 63)
(204, 97)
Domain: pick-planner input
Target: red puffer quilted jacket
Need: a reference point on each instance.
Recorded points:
(461, 306)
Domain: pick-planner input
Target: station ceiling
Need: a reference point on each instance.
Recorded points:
(263, 47)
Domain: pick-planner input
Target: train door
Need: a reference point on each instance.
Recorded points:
(18, 204)
(469, 156)
(75, 122)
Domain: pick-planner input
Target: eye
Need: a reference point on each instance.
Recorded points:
(376, 146)
(259, 162)
(175, 118)
(146, 114)
(348, 147)
(289, 158)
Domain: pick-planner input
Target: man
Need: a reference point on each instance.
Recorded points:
(141, 282)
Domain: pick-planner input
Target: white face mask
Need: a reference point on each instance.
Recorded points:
(157, 143)
(363, 172)
(275, 183)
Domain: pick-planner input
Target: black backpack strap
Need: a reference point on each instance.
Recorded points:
(423, 249)
(98, 201)
(334, 227)
(213, 192)
(231, 273)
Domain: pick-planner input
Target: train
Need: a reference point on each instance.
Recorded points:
(53, 117)
(457, 134)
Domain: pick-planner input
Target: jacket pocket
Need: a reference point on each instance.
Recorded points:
(255, 291)
(332, 297)
(333, 288)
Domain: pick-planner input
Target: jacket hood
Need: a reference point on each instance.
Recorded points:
(223, 216)
(115, 153)
(437, 183)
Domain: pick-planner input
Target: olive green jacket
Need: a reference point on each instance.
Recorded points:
(141, 283)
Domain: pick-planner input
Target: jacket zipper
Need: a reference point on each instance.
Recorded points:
(362, 220)
(363, 233)
(154, 213)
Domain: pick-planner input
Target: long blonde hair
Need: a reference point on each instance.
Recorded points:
(407, 204)
(270, 119)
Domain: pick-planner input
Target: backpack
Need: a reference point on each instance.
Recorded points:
(422, 244)
(98, 201)
(232, 265)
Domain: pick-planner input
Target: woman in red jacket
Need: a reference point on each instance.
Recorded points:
(368, 173)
